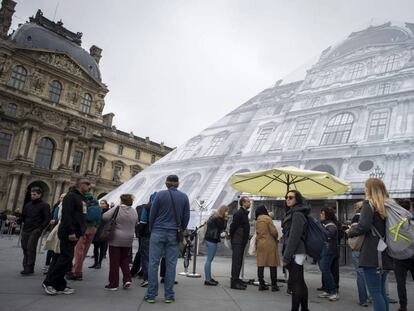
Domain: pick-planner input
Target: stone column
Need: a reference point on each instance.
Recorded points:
(12, 197)
(90, 161)
(22, 191)
(58, 191)
(33, 142)
(71, 154)
(23, 143)
(64, 158)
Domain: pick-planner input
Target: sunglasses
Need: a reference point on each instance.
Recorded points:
(289, 197)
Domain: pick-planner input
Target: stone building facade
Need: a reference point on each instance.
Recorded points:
(51, 125)
(350, 114)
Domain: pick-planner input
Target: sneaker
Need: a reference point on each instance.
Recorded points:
(169, 300)
(365, 304)
(67, 291)
(149, 299)
(324, 295)
(333, 297)
(127, 285)
(392, 300)
(50, 290)
(144, 284)
(213, 280)
(107, 287)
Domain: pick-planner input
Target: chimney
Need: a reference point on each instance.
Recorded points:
(6, 14)
(96, 53)
(107, 119)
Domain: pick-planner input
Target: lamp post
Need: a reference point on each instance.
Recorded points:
(377, 172)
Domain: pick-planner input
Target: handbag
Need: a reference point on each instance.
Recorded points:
(180, 233)
(109, 227)
(253, 245)
(355, 243)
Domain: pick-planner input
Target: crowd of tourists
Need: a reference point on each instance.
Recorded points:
(78, 220)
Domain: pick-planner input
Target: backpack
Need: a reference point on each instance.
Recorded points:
(315, 238)
(93, 213)
(399, 231)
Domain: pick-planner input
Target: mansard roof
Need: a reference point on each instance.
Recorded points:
(41, 33)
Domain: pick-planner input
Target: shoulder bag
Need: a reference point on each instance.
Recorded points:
(109, 227)
(180, 233)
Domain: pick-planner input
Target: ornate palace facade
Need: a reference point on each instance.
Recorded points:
(51, 125)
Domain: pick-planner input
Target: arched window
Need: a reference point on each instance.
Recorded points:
(18, 77)
(5, 140)
(153, 159)
(357, 71)
(54, 91)
(338, 129)
(86, 103)
(44, 153)
(190, 182)
(324, 168)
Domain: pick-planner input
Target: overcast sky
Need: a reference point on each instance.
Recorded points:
(175, 67)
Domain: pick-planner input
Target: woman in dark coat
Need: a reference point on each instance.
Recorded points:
(373, 214)
(294, 251)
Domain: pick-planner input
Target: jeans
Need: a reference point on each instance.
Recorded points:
(299, 288)
(81, 250)
(29, 245)
(361, 284)
(162, 241)
(211, 252)
(376, 285)
(118, 258)
(325, 264)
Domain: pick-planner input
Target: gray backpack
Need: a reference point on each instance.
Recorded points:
(399, 229)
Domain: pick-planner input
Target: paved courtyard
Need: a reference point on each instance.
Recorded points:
(26, 293)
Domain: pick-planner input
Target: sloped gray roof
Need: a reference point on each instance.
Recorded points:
(33, 36)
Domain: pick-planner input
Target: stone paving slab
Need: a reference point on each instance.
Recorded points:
(19, 293)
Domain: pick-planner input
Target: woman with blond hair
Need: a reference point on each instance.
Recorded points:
(216, 224)
(120, 243)
(372, 217)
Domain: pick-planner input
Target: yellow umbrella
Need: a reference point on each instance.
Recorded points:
(278, 181)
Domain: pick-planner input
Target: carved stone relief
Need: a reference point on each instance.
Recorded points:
(61, 62)
(37, 81)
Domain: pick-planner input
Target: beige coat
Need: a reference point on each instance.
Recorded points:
(266, 242)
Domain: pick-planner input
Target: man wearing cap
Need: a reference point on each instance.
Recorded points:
(169, 211)
(35, 217)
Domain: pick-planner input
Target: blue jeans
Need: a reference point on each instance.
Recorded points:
(162, 242)
(376, 286)
(325, 264)
(361, 284)
(211, 252)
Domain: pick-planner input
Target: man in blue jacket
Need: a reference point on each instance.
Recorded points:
(169, 211)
